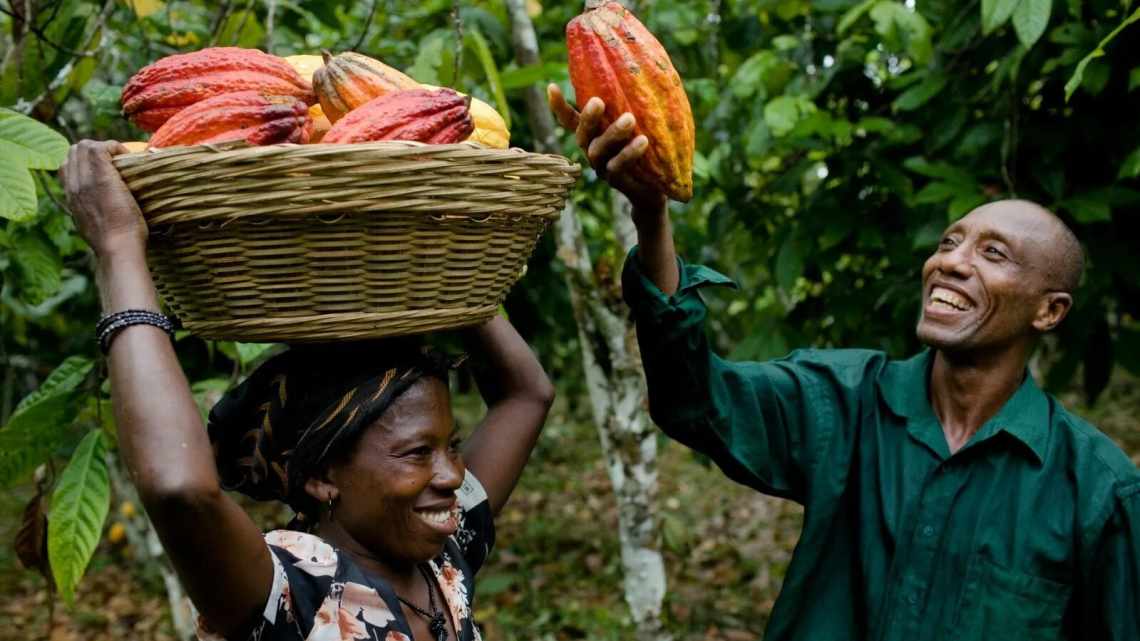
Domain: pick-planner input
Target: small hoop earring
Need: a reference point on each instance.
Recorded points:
(331, 503)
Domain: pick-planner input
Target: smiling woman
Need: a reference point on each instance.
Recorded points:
(393, 516)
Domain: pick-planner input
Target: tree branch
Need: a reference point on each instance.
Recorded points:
(43, 38)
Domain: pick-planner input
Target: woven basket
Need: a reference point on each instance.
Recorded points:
(297, 243)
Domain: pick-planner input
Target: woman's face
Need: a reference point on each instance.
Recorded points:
(397, 489)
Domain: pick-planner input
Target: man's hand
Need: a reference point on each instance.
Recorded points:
(102, 206)
(613, 152)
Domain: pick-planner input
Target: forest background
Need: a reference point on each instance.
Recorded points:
(835, 140)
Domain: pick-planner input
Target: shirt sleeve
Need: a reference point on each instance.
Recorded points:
(476, 533)
(1113, 593)
(766, 425)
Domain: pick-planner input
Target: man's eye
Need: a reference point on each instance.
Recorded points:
(946, 242)
(423, 450)
(994, 251)
(456, 443)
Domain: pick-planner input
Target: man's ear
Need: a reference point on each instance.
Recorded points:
(1052, 310)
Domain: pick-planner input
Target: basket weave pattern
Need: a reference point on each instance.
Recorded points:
(324, 242)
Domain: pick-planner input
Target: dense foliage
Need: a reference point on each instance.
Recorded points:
(836, 139)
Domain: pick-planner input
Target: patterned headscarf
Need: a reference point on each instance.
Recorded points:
(306, 405)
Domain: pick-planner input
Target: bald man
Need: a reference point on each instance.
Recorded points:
(946, 496)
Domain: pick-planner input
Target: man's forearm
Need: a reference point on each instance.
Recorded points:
(656, 253)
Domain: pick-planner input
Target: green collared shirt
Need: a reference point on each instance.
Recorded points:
(1029, 531)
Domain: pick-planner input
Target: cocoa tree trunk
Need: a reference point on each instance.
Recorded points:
(612, 365)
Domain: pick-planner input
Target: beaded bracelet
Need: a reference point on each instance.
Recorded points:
(110, 325)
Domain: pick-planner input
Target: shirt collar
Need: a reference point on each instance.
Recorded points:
(1025, 416)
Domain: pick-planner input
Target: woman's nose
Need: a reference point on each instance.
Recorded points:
(448, 473)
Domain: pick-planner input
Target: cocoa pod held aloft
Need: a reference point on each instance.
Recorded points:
(614, 57)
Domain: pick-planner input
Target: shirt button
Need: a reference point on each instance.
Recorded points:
(928, 530)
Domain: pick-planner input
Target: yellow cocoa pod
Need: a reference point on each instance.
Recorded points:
(305, 64)
(135, 146)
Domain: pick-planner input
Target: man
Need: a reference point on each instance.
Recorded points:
(946, 496)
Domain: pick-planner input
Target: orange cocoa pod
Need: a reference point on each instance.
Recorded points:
(436, 116)
(349, 79)
(245, 115)
(614, 57)
(160, 90)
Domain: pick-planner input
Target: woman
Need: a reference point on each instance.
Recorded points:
(393, 519)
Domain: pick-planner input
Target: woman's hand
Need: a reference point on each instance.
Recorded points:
(613, 152)
(104, 210)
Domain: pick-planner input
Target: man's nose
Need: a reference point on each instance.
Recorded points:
(956, 262)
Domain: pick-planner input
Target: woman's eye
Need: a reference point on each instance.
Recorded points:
(456, 443)
(421, 451)
(994, 251)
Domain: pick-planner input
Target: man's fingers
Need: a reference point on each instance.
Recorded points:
(590, 122)
(628, 154)
(611, 141)
(567, 116)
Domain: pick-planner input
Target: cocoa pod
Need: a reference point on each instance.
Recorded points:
(245, 115)
(349, 79)
(614, 57)
(160, 90)
(490, 128)
(436, 116)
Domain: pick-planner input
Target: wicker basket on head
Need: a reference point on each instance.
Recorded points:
(331, 242)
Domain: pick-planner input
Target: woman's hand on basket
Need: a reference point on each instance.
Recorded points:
(612, 152)
(102, 206)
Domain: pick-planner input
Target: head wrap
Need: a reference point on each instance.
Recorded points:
(302, 407)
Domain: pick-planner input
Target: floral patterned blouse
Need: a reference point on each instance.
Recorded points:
(320, 595)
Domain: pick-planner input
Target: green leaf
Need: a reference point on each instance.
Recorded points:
(1079, 72)
(39, 266)
(79, 508)
(1130, 168)
(1087, 209)
(27, 142)
(935, 192)
(249, 352)
(945, 171)
(490, 70)
(781, 114)
(522, 77)
(17, 192)
(921, 93)
(1133, 79)
(995, 13)
(63, 379)
(902, 28)
(789, 264)
(852, 16)
(241, 29)
(1030, 20)
(963, 204)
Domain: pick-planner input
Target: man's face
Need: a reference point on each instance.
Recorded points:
(984, 285)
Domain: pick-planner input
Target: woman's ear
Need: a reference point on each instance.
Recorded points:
(322, 489)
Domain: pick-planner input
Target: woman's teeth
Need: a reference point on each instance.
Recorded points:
(440, 517)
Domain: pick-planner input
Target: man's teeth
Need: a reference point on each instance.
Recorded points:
(439, 518)
(950, 299)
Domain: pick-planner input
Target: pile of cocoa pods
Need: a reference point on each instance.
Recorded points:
(224, 94)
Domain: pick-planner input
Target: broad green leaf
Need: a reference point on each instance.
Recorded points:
(903, 28)
(945, 171)
(963, 204)
(996, 12)
(39, 266)
(853, 14)
(522, 77)
(783, 113)
(26, 142)
(1079, 72)
(63, 379)
(32, 435)
(1087, 209)
(17, 191)
(241, 29)
(1030, 20)
(1130, 168)
(921, 93)
(249, 352)
(789, 264)
(79, 508)
(1133, 79)
(935, 192)
(144, 8)
(491, 71)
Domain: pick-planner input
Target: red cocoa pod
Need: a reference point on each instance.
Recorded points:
(436, 116)
(245, 115)
(160, 90)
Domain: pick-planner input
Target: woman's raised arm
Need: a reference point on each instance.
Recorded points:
(518, 395)
(215, 547)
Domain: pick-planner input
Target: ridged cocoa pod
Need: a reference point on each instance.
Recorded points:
(348, 80)
(245, 115)
(162, 89)
(436, 116)
(614, 57)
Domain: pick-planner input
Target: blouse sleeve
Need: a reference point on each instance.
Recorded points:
(476, 533)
